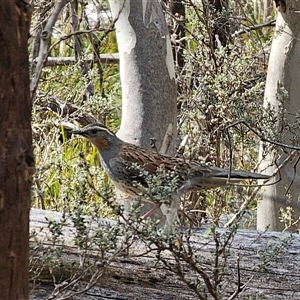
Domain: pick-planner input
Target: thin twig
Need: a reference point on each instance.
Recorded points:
(254, 27)
(240, 287)
(112, 58)
(295, 172)
(256, 190)
(45, 38)
(67, 110)
(262, 138)
(79, 32)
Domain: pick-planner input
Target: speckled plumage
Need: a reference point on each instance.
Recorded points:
(120, 161)
(118, 158)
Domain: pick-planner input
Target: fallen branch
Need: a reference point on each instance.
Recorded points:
(71, 60)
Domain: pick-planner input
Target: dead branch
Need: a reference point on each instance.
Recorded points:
(266, 259)
(45, 38)
(254, 27)
(67, 110)
(112, 58)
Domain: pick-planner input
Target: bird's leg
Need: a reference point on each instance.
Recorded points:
(150, 212)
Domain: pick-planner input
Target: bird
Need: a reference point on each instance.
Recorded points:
(128, 166)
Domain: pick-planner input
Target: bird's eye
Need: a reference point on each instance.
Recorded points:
(94, 131)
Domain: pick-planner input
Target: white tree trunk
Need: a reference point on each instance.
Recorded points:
(147, 72)
(283, 72)
(147, 75)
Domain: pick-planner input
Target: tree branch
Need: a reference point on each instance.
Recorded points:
(254, 27)
(71, 60)
(45, 38)
(67, 110)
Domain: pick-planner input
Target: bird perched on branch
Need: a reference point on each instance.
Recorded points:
(124, 163)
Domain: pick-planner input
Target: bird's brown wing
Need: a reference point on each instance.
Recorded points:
(138, 163)
(132, 156)
(151, 160)
(198, 175)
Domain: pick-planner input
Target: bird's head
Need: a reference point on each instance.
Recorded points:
(97, 134)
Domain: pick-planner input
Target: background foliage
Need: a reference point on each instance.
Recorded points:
(217, 85)
(220, 82)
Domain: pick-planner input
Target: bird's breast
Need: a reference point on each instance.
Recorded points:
(101, 144)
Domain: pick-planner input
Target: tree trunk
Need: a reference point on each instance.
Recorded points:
(258, 266)
(283, 72)
(16, 158)
(147, 75)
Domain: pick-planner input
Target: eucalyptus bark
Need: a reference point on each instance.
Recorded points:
(147, 75)
(283, 73)
(16, 158)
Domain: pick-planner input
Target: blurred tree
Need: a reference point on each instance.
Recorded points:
(147, 75)
(16, 158)
(282, 100)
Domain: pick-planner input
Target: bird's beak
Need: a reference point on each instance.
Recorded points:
(77, 132)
